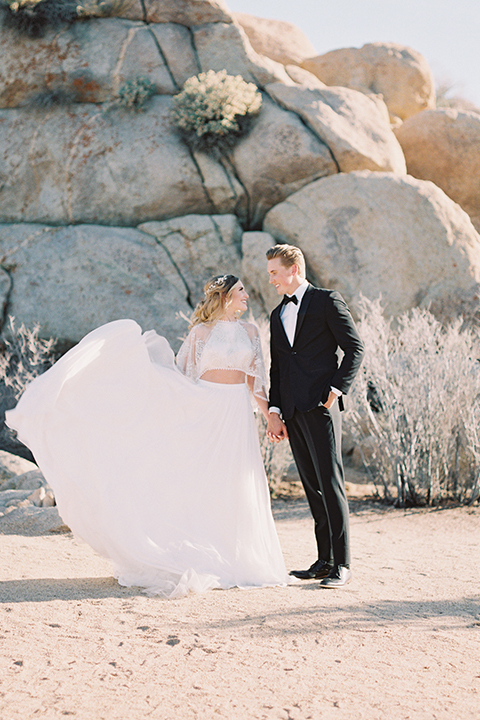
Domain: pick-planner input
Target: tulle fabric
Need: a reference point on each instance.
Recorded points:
(159, 474)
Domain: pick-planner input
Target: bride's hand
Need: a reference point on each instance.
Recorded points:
(276, 428)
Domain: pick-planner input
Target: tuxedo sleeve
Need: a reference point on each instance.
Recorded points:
(346, 334)
(274, 395)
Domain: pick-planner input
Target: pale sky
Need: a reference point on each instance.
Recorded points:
(446, 32)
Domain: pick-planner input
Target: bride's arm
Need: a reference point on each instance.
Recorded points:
(190, 351)
(261, 400)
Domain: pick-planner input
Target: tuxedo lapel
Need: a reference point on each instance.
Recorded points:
(302, 310)
(278, 324)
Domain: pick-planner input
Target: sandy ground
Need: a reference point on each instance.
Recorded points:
(402, 641)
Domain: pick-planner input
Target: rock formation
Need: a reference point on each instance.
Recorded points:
(444, 146)
(106, 212)
(401, 75)
(381, 234)
(332, 113)
(278, 40)
(71, 279)
(70, 153)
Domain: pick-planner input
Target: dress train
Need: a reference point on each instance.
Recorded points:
(160, 474)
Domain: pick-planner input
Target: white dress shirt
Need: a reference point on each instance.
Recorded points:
(289, 313)
(288, 316)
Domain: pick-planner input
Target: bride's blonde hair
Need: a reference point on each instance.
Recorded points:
(217, 294)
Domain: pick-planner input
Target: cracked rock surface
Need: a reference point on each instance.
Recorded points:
(211, 243)
(381, 234)
(90, 160)
(443, 146)
(88, 166)
(75, 278)
(401, 75)
(333, 115)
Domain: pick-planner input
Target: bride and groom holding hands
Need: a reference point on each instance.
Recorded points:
(156, 462)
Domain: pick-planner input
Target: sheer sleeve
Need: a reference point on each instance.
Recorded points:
(188, 357)
(257, 365)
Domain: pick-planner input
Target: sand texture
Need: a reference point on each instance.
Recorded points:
(402, 641)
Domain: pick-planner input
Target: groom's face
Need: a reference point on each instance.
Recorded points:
(282, 277)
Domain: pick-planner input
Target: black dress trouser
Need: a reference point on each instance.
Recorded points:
(315, 439)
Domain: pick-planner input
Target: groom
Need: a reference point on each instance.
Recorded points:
(307, 382)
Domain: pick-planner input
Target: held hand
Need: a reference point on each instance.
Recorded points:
(276, 428)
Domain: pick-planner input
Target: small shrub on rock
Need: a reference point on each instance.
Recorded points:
(102, 8)
(215, 109)
(134, 93)
(414, 410)
(34, 17)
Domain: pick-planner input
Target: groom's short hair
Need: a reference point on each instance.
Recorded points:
(289, 255)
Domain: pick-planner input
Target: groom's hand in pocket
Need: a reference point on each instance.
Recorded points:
(330, 400)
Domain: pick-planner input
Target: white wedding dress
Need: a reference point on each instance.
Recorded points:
(158, 470)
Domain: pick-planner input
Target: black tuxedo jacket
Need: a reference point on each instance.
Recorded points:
(301, 375)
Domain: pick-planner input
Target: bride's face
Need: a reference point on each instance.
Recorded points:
(238, 298)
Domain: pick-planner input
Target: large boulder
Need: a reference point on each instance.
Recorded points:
(200, 246)
(444, 146)
(90, 61)
(12, 466)
(31, 520)
(182, 12)
(278, 157)
(115, 168)
(300, 76)
(254, 267)
(382, 234)
(399, 73)
(124, 168)
(333, 114)
(72, 279)
(222, 46)
(281, 41)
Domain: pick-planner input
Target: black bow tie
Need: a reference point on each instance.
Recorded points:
(291, 298)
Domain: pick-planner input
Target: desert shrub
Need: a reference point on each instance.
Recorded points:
(215, 109)
(102, 8)
(23, 356)
(135, 93)
(447, 98)
(34, 17)
(414, 409)
(277, 457)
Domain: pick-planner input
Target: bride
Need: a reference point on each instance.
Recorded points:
(156, 464)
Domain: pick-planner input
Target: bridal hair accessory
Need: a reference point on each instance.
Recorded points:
(217, 283)
(212, 306)
(221, 283)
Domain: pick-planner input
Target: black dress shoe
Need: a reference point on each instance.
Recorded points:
(319, 569)
(339, 576)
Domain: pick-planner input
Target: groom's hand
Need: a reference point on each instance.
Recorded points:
(330, 400)
(276, 428)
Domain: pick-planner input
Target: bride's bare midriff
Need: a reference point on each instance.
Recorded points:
(226, 377)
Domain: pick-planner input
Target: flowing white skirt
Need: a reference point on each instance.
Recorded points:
(159, 474)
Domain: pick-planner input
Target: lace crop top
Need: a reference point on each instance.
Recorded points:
(224, 346)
